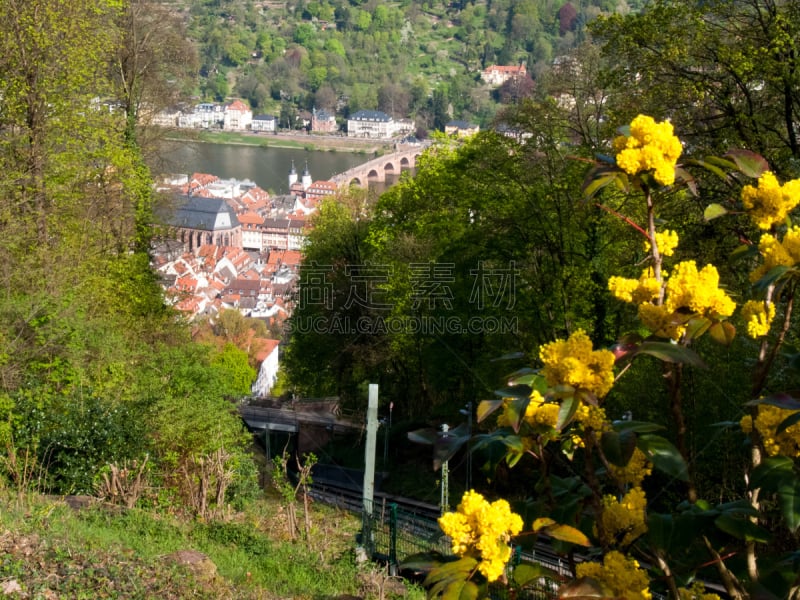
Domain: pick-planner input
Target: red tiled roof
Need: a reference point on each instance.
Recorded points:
(266, 347)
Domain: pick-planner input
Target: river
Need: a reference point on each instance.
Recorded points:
(268, 167)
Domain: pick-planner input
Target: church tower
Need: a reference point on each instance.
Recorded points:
(292, 175)
(306, 181)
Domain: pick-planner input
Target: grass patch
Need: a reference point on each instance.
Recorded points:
(48, 549)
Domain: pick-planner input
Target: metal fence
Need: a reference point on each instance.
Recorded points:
(391, 534)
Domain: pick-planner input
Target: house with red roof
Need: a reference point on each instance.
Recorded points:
(267, 358)
(252, 231)
(237, 116)
(499, 74)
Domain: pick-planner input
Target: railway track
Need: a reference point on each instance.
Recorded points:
(420, 519)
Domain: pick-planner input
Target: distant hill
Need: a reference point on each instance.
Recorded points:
(411, 58)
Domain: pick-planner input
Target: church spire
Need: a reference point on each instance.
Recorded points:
(292, 175)
(306, 181)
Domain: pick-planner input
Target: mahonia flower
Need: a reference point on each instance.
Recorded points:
(623, 520)
(651, 146)
(589, 418)
(573, 362)
(768, 418)
(666, 242)
(620, 574)
(697, 591)
(777, 253)
(698, 291)
(540, 412)
(645, 289)
(634, 472)
(684, 288)
(758, 316)
(482, 529)
(659, 320)
(770, 202)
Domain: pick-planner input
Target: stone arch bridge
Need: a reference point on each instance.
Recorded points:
(402, 159)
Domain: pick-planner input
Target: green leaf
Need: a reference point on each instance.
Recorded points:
(672, 353)
(423, 436)
(421, 562)
(530, 377)
(697, 326)
(748, 162)
(447, 444)
(567, 533)
(636, 426)
(527, 572)
(459, 568)
(659, 530)
(722, 332)
(772, 473)
(742, 528)
(737, 507)
(717, 161)
(515, 411)
(713, 211)
(618, 447)
(509, 356)
(788, 422)
(486, 408)
(566, 412)
(597, 180)
(664, 456)
(715, 165)
(514, 391)
(789, 502)
(771, 277)
(745, 251)
(685, 177)
(780, 400)
(541, 523)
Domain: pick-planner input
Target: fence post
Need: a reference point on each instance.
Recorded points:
(393, 539)
(368, 489)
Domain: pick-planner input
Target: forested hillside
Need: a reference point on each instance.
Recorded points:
(632, 222)
(419, 59)
(97, 373)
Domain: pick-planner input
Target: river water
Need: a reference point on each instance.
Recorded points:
(268, 167)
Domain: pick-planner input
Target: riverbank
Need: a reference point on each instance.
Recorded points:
(288, 140)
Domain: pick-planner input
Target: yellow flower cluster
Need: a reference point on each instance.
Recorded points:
(483, 529)
(770, 202)
(650, 146)
(620, 575)
(685, 288)
(540, 412)
(623, 520)
(636, 291)
(573, 362)
(785, 443)
(777, 253)
(758, 317)
(666, 242)
(697, 591)
(634, 472)
(698, 291)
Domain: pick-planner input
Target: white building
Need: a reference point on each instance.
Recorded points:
(237, 116)
(265, 123)
(203, 115)
(268, 371)
(376, 125)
